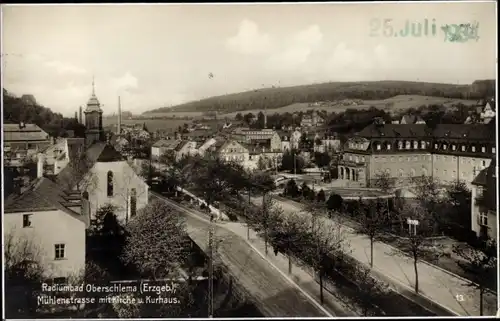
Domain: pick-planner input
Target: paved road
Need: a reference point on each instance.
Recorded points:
(435, 284)
(273, 294)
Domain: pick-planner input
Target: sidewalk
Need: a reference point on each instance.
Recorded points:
(301, 277)
(435, 284)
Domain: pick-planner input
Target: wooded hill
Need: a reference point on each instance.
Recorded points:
(279, 97)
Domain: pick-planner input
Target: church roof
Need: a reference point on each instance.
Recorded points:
(93, 104)
(109, 154)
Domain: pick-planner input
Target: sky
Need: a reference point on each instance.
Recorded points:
(160, 55)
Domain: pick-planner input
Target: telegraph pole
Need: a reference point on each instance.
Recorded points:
(211, 269)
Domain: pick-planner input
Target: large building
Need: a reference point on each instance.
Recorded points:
(22, 141)
(447, 152)
(251, 136)
(312, 120)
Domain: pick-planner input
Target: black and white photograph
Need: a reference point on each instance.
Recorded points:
(249, 160)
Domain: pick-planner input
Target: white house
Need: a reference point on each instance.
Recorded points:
(185, 148)
(483, 208)
(52, 223)
(163, 146)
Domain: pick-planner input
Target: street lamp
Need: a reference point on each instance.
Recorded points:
(411, 223)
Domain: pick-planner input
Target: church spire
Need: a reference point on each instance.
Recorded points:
(93, 86)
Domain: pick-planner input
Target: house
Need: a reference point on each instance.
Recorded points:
(56, 157)
(207, 144)
(247, 136)
(22, 141)
(312, 120)
(198, 135)
(483, 207)
(53, 222)
(185, 148)
(482, 114)
(162, 147)
(231, 151)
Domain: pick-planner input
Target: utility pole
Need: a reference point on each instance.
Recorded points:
(211, 237)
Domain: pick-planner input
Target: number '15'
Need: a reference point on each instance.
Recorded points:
(376, 25)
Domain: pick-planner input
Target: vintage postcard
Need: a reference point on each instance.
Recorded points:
(246, 160)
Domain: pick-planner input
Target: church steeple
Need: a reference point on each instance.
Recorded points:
(93, 85)
(93, 119)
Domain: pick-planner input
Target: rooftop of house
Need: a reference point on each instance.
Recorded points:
(411, 119)
(109, 154)
(42, 195)
(463, 131)
(181, 145)
(167, 143)
(23, 132)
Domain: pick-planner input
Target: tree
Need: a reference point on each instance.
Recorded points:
(291, 189)
(368, 287)
(128, 176)
(268, 217)
(261, 164)
(24, 274)
(289, 236)
(292, 162)
(321, 196)
(371, 221)
(261, 120)
(238, 117)
(306, 191)
(156, 242)
(481, 263)
(78, 173)
(334, 202)
(459, 199)
(428, 193)
(322, 159)
(418, 236)
(383, 181)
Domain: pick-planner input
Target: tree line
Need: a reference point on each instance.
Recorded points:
(277, 97)
(15, 110)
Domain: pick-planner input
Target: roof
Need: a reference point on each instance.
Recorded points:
(411, 119)
(463, 131)
(167, 143)
(42, 195)
(395, 131)
(181, 145)
(75, 147)
(480, 179)
(30, 132)
(109, 154)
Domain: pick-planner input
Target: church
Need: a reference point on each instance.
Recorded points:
(101, 173)
(54, 211)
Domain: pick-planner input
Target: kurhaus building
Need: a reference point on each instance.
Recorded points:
(447, 152)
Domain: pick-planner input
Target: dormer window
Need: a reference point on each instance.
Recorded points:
(408, 145)
(445, 146)
(474, 148)
(435, 146)
(483, 149)
(422, 145)
(388, 146)
(463, 148)
(378, 146)
(493, 150)
(415, 145)
(453, 147)
(400, 145)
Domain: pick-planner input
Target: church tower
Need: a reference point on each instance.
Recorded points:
(93, 120)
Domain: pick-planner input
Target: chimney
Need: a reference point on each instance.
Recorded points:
(40, 164)
(52, 140)
(119, 130)
(76, 116)
(80, 120)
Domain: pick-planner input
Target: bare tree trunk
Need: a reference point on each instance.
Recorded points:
(371, 251)
(416, 272)
(248, 231)
(481, 294)
(321, 286)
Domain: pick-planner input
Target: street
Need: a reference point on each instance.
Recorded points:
(437, 285)
(272, 293)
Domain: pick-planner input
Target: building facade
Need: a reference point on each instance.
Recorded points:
(50, 223)
(483, 206)
(402, 151)
(22, 141)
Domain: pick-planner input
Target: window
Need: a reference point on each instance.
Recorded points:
(27, 220)
(435, 146)
(445, 158)
(463, 148)
(454, 158)
(408, 145)
(483, 149)
(483, 219)
(445, 173)
(424, 171)
(415, 145)
(400, 145)
(85, 195)
(382, 159)
(444, 146)
(133, 202)
(493, 150)
(412, 172)
(473, 148)
(408, 159)
(363, 159)
(483, 163)
(401, 173)
(350, 158)
(400, 158)
(59, 251)
(462, 160)
(415, 158)
(392, 159)
(378, 146)
(110, 184)
(388, 146)
(357, 159)
(453, 174)
(422, 144)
